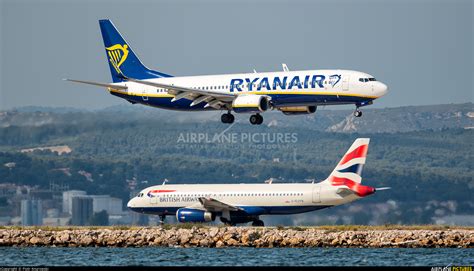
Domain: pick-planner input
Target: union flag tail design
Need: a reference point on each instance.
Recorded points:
(348, 171)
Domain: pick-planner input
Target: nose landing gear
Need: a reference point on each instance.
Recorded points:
(357, 113)
(256, 119)
(162, 219)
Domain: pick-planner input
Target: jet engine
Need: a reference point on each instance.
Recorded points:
(250, 104)
(297, 110)
(194, 215)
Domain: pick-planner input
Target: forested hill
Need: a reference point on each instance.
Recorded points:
(423, 153)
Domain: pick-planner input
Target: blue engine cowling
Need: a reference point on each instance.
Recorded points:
(194, 215)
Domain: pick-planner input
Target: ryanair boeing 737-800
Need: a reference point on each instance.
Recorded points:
(242, 203)
(291, 92)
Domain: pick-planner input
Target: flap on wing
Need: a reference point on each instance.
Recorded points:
(214, 205)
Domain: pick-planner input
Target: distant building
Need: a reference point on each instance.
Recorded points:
(55, 221)
(81, 210)
(7, 190)
(67, 199)
(139, 219)
(31, 212)
(113, 206)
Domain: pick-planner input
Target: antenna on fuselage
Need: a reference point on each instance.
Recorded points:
(254, 71)
(269, 181)
(285, 67)
(165, 181)
(310, 180)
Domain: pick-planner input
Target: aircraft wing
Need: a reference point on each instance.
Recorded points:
(97, 84)
(214, 99)
(213, 205)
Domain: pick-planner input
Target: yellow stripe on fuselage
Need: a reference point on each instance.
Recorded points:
(245, 105)
(162, 95)
(296, 92)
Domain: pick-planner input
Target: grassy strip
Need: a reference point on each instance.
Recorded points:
(200, 225)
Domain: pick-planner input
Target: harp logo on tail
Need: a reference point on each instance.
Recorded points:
(117, 55)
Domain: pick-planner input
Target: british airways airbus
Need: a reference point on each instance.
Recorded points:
(242, 203)
(291, 92)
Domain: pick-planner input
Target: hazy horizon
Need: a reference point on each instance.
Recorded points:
(421, 49)
(332, 108)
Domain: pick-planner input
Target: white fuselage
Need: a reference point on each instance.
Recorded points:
(256, 199)
(293, 88)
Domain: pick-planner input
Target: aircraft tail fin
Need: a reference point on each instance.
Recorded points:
(348, 171)
(122, 60)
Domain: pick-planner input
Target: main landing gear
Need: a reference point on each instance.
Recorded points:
(227, 118)
(258, 223)
(256, 119)
(357, 113)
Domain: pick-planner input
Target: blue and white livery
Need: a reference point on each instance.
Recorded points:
(242, 203)
(291, 92)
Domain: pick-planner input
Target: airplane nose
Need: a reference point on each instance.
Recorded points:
(381, 89)
(131, 203)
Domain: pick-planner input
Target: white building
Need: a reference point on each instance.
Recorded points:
(31, 212)
(113, 206)
(67, 199)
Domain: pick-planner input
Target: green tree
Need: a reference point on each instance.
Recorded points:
(100, 219)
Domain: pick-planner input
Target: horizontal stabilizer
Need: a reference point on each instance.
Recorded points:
(105, 85)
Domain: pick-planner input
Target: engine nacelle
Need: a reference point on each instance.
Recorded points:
(194, 215)
(297, 110)
(250, 104)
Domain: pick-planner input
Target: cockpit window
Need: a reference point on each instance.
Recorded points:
(367, 79)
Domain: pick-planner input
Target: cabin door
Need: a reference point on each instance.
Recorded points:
(345, 82)
(316, 194)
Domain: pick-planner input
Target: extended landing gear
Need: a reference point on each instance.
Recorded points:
(258, 223)
(256, 119)
(162, 219)
(227, 118)
(357, 113)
